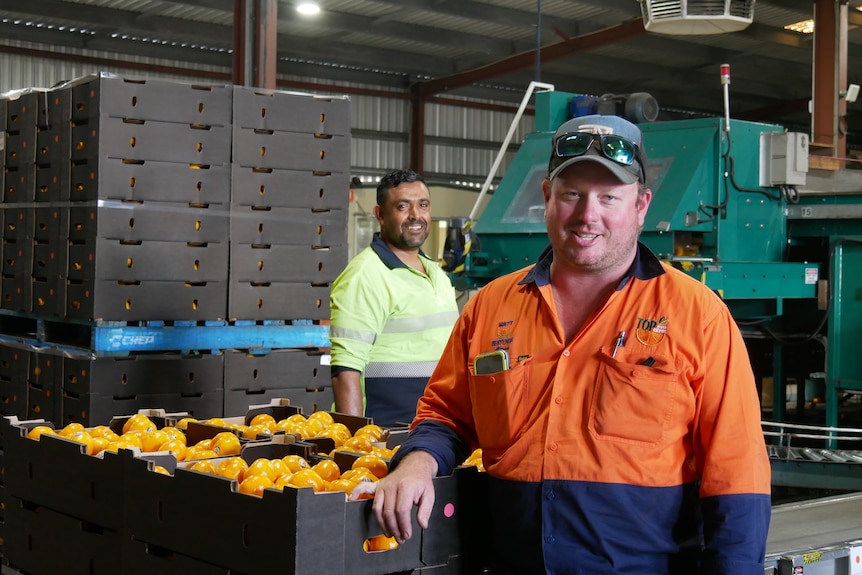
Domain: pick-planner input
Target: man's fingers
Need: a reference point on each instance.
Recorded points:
(426, 505)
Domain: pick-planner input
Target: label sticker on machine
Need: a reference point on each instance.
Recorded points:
(811, 275)
(856, 561)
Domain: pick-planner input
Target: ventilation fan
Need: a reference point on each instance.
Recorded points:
(691, 17)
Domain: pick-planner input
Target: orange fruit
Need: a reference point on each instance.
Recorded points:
(255, 484)
(375, 431)
(103, 431)
(85, 438)
(177, 447)
(70, 429)
(153, 440)
(373, 463)
(262, 466)
(232, 468)
(312, 428)
(175, 433)
(342, 484)
(288, 426)
(133, 439)
(184, 422)
(359, 474)
(195, 453)
(99, 444)
(282, 481)
(295, 463)
(359, 443)
(323, 417)
(327, 469)
(253, 431)
(204, 466)
(382, 452)
(226, 443)
(262, 419)
(40, 430)
(204, 444)
(121, 443)
(380, 543)
(297, 418)
(139, 422)
(307, 478)
(160, 469)
(216, 421)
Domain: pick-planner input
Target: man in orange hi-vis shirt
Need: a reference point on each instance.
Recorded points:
(624, 434)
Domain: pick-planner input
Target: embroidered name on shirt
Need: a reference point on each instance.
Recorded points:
(504, 335)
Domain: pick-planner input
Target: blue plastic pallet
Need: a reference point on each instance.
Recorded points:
(122, 338)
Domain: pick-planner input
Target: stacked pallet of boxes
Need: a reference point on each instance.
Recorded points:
(288, 235)
(133, 205)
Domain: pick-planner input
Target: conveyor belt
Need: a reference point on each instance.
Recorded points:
(814, 524)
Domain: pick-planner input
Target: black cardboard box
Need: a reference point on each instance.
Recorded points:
(261, 109)
(290, 188)
(273, 300)
(286, 263)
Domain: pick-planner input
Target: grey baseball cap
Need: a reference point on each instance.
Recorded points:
(600, 124)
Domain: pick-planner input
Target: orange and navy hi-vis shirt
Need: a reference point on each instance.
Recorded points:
(649, 461)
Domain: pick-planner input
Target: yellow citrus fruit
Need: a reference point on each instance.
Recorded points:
(177, 447)
(153, 440)
(383, 452)
(204, 444)
(341, 484)
(359, 474)
(295, 463)
(253, 431)
(175, 433)
(184, 422)
(70, 429)
(216, 421)
(359, 443)
(282, 481)
(226, 443)
(103, 431)
(327, 469)
(323, 417)
(40, 430)
(375, 431)
(83, 437)
(139, 422)
(255, 484)
(307, 478)
(232, 468)
(262, 466)
(288, 426)
(195, 453)
(204, 466)
(133, 439)
(160, 469)
(312, 428)
(99, 444)
(373, 463)
(121, 443)
(262, 418)
(380, 543)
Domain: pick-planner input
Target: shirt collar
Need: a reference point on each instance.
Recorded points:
(646, 266)
(386, 255)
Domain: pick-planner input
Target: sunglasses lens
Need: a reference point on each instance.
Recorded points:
(618, 149)
(573, 145)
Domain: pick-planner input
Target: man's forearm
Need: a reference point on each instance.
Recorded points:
(347, 391)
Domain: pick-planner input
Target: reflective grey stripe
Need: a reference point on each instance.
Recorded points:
(421, 323)
(354, 334)
(400, 370)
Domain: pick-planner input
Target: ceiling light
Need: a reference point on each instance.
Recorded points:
(803, 27)
(308, 8)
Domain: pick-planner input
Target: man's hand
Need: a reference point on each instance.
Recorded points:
(395, 495)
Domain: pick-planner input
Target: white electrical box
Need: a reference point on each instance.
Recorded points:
(784, 158)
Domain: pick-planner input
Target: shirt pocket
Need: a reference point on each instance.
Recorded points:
(633, 403)
(500, 405)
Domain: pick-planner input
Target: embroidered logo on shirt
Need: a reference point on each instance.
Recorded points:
(504, 335)
(650, 331)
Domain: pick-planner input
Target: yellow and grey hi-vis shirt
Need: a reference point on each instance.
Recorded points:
(390, 322)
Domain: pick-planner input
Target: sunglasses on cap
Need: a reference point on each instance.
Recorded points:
(613, 147)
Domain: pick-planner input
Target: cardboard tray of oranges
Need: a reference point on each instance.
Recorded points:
(296, 530)
(57, 472)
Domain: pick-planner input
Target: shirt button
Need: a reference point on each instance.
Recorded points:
(567, 353)
(558, 400)
(553, 446)
(552, 495)
(551, 539)
(493, 380)
(636, 373)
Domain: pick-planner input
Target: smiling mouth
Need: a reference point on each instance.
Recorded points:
(586, 237)
(415, 227)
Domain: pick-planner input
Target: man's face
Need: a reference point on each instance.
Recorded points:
(406, 216)
(593, 219)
